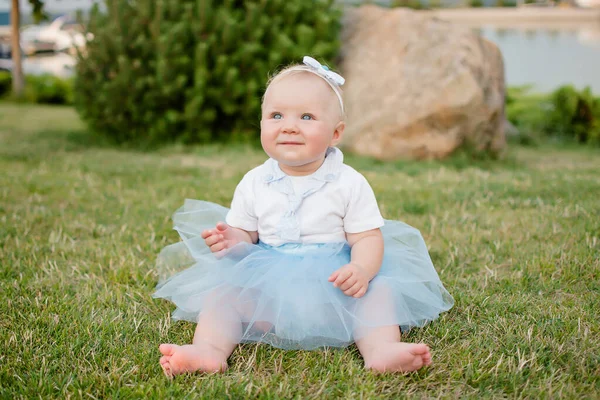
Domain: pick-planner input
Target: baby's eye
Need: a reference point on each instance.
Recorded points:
(276, 115)
(306, 117)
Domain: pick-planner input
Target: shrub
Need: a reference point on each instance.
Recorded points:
(574, 114)
(566, 113)
(5, 83)
(42, 89)
(527, 111)
(48, 89)
(193, 70)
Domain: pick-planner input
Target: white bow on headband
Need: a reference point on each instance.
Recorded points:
(323, 70)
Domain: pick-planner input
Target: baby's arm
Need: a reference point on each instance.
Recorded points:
(365, 261)
(225, 236)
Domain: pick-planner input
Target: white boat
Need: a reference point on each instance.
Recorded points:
(62, 34)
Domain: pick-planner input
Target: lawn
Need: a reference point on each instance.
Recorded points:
(516, 242)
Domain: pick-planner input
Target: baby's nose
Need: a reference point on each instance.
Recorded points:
(290, 127)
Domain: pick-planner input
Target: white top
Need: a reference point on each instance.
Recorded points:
(318, 208)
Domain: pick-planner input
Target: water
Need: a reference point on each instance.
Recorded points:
(548, 58)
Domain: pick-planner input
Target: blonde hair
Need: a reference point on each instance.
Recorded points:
(300, 68)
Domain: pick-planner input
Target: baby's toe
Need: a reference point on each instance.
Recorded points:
(167, 370)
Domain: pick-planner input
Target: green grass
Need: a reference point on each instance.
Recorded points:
(516, 241)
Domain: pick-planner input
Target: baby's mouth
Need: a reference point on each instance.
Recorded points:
(288, 143)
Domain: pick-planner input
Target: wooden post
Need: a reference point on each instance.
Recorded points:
(17, 68)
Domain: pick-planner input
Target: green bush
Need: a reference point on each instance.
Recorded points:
(527, 111)
(5, 83)
(48, 89)
(193, 70)
(42, 89)
(574, 114)
(566, 113)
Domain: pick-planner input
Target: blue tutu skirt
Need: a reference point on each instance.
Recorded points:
(282, 296)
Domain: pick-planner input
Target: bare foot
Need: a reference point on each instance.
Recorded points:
(398, 357)
(191, 358)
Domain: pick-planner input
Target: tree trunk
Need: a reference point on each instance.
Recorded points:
(15, 48)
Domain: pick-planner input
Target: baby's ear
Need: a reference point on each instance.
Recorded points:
(338, 133)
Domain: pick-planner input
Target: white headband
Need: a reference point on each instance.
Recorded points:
(333, 80)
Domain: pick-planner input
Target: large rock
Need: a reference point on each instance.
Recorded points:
(419, 87)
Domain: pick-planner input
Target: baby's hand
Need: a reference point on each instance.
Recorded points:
(220, 238)
(351, 279)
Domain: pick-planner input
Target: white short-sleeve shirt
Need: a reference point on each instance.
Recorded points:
(318, 208)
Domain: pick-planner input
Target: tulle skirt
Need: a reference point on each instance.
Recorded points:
(281, 295)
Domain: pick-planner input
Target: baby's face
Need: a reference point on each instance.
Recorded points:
(300, 120)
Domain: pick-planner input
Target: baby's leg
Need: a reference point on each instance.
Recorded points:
(381, 347)
(218, 331)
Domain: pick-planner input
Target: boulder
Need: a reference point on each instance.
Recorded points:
(418, 87)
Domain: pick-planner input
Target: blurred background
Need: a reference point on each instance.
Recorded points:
(544, 53)
(550, 49)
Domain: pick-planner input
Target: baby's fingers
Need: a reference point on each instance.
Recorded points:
(352, 290)
(342, 276)
(334, 276)
(222, 227)
(349, 283)
(361, 292)
(212, 240)
(218, 246)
